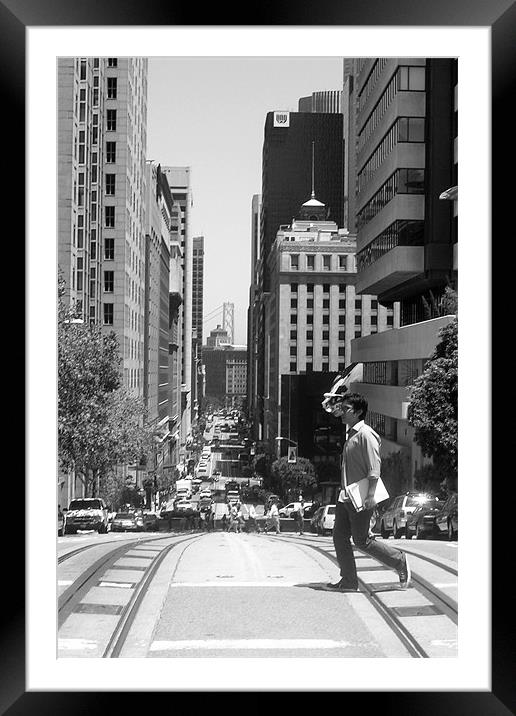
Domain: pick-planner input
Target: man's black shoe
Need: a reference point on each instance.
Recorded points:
(340, 586)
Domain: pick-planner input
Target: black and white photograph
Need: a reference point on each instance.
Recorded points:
(247, 254)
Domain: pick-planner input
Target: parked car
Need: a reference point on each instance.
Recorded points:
(150, 520)
(288, 510)
(394, 516)
(127, 522)
(446, 520)
(421, 522)
(323, 520)
(60, 521)
(87, 513)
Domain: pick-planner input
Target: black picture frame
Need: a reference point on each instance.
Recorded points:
(500, 16)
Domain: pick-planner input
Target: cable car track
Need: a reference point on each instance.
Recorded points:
(441, 603)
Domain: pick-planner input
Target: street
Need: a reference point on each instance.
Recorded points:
(222, 594)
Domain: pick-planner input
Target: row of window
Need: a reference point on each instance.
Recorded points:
(326, 319)
(402, 181)
(310, 287)
(404, 129)
(405, 78)
(400, 233)
(344, 263)
(325, 367)
(370, 83)
(326, 303)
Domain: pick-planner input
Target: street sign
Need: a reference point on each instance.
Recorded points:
(292, 454)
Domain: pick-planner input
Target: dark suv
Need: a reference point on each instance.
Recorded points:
(87, 513)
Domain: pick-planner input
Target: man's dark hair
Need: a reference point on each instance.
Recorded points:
(358, 404)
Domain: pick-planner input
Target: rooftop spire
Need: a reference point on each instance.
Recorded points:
(313, 187)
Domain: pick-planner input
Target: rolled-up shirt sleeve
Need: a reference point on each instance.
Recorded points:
(371, 453)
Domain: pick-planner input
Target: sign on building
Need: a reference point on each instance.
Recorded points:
(281, 119)
(292, 454)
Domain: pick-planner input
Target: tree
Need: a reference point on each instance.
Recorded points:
(99, 423)
(433, 409)
(290, 479)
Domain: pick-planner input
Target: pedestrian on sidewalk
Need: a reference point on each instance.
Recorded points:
(251, 520)
(301, 515)
(273, 515)
(360, 459)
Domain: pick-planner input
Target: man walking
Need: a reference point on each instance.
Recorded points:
(360, 459)
(301, 515)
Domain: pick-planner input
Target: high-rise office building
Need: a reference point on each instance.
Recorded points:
(300, 150)
(179, 180)
(325, 101)
(311, 312)
(162, 265)
(102, 115)
(197, 319)
(253, 310)
(405, 115)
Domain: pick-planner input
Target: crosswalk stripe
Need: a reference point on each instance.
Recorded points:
(193, 644)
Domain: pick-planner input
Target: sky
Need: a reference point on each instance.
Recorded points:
(208, 113)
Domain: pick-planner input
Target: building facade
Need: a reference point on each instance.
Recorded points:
(226, 370)
(405, 120)
(102, 115)
(179, 180)
(312, 312)
(197, 320)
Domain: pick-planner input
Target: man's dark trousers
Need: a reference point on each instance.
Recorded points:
(349, 523)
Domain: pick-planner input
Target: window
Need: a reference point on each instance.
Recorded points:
(310, 262)
(374, 320)
(110, 152)
(342, 350)
(343, 262)
(293, 367)
(374, 303)
(326, 335)
(293, 303)
(112, 62)
(310, 318)
(358, 320)
(293, 317)
(411, 78)
(111, 120)
(358, 334)
(309, 302)
(342, 319)
(108, 314)
(309, 335)
(293, 350)
(110, 217)
(293, 335)
(110, 184)
(309, 351)
(294, 261)
(326, 288)
(109, 249)
(326, 263)
(325, 366)
(390, 320)
(326, 319)
(326, 351)
(111, 87)
(342, 303)
(326, 303)
(342, 335)
(309, 366)
(293, 287)
(309, 288)
(109, 281)
(83, 70)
